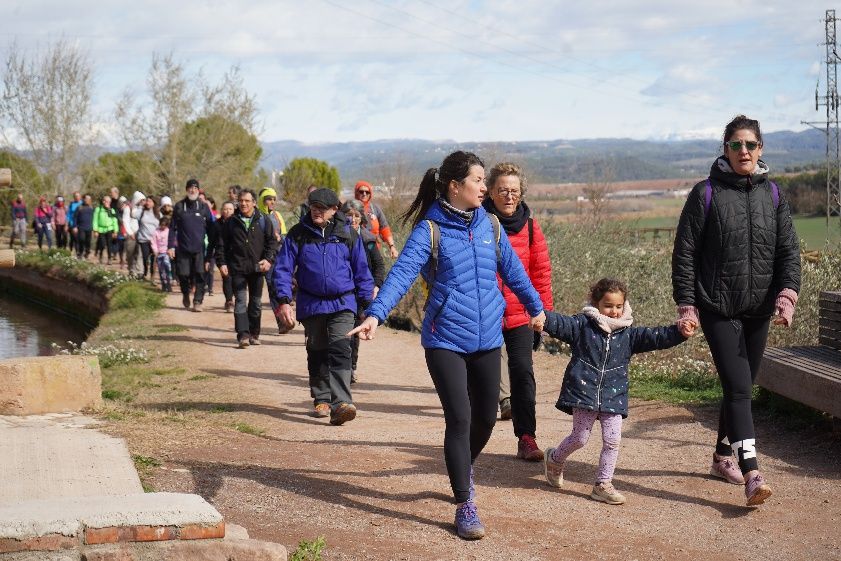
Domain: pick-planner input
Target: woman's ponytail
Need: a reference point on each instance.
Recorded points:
(427, 193)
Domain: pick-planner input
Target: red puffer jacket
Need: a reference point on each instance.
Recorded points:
(535, 259)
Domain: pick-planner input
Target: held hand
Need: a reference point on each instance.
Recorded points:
(537, 322)
(687, 327)
(780, 320)
(223, 270)
(264, 265)
(171, 253)
(366, 329)
(394, 253)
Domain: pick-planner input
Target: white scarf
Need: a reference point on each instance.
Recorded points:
(608, 324)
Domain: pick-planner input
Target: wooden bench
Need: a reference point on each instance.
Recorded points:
(810, 375)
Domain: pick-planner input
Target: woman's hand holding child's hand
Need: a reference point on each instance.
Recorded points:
(687, 327)
(537, 321)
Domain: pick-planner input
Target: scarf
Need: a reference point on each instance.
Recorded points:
(511, 224)
(466, 215)
(607, 324)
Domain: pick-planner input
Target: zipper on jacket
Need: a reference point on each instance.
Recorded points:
(476, 277)
(601, 376)
(750, 245)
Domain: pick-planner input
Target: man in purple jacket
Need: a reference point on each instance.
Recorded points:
(328, 261)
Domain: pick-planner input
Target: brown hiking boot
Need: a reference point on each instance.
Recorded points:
(527, 449)
(343, 413)
(321, 410)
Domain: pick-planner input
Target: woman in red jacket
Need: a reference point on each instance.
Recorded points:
(506, 187)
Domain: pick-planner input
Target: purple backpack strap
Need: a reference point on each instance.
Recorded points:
(708, 197)
(775, 194)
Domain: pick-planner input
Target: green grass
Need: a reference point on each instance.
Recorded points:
(684, 387)
(812, 231)
(249, 429)
(172, 328)
(199, 377)
(137, 296)
(145, 462)
(309, 551)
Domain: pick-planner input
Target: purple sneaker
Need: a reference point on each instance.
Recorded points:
(468, 525)
(757, 490)
(726, 469)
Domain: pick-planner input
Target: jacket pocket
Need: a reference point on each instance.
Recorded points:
(438, 311)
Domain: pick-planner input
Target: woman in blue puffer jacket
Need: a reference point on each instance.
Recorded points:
(462, 325)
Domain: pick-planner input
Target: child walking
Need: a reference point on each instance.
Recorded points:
(159, 245)
(595, 383)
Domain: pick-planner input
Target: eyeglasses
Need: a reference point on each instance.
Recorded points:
(736, 145)
(513, 194)
(361, 192)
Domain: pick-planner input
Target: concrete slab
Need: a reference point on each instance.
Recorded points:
(58, 455)
(49, 384)
(70, 515)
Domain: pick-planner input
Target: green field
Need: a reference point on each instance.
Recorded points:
(811, 229)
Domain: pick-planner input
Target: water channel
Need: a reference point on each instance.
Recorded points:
(27, 329)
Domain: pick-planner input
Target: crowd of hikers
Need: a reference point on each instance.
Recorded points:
(485, 263)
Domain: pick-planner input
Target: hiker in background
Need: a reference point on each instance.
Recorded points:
(160, 238)
(83, 230)
(602, 334)
(19, 219)
(166, 206)
(506, 192)
(71, 219)
(326, 257)
(187, 231)
(736, 262)
(147, 225)
(462, 325)
(375, 218)
(233, 195)
(354, 211)
(44, 223)
(266, 202)
(120, 241)
(210, 256)
(60, 222)
(130, 214)
(245, 250)
(228, 209)
(105, 226)
(304, 207)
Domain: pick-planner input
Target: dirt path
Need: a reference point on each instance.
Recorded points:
(377, 489)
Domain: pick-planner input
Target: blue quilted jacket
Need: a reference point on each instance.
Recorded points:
(465, 307)
(596, 377)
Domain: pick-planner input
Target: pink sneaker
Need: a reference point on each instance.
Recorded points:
(727, 469)
(757, 490)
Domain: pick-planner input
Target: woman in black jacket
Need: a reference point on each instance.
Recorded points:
(355, 211)
(736, 262)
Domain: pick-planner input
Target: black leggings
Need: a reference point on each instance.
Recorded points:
(468, 387)
(518, 343)
(737, 346)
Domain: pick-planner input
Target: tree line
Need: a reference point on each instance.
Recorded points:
(180, 125)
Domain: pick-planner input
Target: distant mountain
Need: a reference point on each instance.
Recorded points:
(551, 161)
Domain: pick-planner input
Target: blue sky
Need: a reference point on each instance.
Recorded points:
(468, 70)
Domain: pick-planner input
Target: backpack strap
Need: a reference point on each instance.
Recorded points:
(531, 231)
(497, 233)
(775, 194)
(434, 244)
